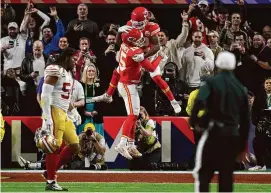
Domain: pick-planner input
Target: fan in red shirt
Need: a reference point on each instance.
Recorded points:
(139, 20)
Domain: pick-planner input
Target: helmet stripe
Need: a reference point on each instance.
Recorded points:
(46, 145)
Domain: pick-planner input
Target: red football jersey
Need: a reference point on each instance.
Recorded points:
(197, 25)
(150, 29)
(129, 67)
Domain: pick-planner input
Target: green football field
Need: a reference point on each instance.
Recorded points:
(125, 187)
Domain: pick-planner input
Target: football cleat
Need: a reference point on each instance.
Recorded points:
(123, 150)
(102, 98)
(54, 187)
(134, 152)
(177, 108)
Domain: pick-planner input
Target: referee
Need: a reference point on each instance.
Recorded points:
(225, 125)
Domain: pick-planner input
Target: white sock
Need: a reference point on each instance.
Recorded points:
(50, 181)
(123, 141)
(173, 101)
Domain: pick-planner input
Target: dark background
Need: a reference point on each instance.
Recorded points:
(168, 16)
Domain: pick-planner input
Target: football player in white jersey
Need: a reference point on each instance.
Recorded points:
(55, 102)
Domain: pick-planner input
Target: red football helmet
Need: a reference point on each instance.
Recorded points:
(139, 17)
(133, 38)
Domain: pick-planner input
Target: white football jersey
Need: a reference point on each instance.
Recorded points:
(61, 95)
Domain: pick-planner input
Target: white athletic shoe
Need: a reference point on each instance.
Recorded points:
(177, 108)
(257, 168)
(102, 98)
(123, 150)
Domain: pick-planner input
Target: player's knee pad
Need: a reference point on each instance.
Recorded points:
(156, 72)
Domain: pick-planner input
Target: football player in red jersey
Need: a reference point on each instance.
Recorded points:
(131, 59)
(139, 20)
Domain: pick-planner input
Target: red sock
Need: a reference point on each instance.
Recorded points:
(51, 160)
(65, 157)
(163, 86)
(132, 133)
(113, 83)
(128, 125)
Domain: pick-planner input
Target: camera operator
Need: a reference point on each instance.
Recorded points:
(92, 152)
(147, 142)
(178, 88)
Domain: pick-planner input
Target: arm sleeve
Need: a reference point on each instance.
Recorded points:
(46, 100)
(45, 23)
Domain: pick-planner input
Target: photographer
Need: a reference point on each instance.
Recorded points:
(147, 142)
(92, 150)
(178, 88)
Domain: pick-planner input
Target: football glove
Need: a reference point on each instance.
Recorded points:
(124, 28)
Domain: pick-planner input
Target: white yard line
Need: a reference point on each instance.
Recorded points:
(122, 172)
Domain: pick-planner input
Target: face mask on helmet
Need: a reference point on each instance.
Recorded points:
(134, 38)
(139, 24)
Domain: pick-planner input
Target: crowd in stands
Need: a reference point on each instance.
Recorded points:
(27, 48)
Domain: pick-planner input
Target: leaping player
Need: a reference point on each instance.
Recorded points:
(139, 20)
(131, 60)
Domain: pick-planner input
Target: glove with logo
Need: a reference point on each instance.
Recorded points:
(124, 28)
(76, 116)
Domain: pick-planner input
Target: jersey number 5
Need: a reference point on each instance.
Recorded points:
(122, 60)
(66, 89)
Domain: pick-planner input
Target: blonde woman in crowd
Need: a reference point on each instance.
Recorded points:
(92, 87)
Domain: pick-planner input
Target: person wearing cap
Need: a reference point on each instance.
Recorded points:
(13, 46)
(93, 149)
(200, 21)
(225, 125)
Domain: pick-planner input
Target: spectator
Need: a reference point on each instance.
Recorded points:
(269, 43)
(106, 60)
(12, 95)
(170, 47)
(196, 24)
(50, 41)
(213, 45)
(8, 15)
(267, 32)
(85, 57)
(227, 33)
(198, 60)
(147, 142)
(82, 27)
(261, 59)
(31, 72)
(92, 87)
(34, 31)
(261, 119)
(62, 44)
(13, 46)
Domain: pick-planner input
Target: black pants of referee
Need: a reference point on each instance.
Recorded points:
(215, 153)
